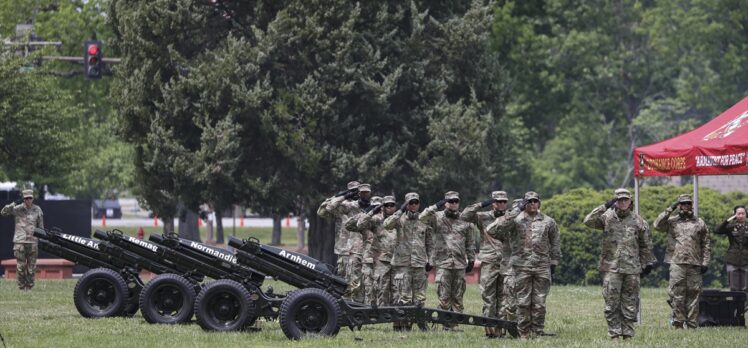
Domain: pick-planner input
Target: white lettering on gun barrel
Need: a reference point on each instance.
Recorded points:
(296, 258)
(82, 241)
(209, 251)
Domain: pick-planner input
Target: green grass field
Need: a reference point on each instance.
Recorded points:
(46, 317)
(263, 234)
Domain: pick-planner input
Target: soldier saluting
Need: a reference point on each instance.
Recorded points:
(28, 216)
(494, 256)
(736, 258)
(536, 251)
(411, 255)
(626, 254)
(688, 253)
(454, 252)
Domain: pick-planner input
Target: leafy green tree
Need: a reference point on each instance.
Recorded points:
(104, 163)
(40, 126)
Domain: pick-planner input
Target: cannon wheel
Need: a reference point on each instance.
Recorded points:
(100, 293)
(167, 299)
(224, 305)
(310, 312)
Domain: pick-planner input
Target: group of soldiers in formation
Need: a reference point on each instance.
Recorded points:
(385, 251)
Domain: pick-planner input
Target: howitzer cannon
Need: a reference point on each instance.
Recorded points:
(169, 297)
(318, 308)
(110, 288)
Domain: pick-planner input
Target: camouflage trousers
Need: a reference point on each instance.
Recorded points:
(25, 254)
(409, 285)
(532, 287)
(341, 269)
(684, 289)
(508, 310)
(356, 289)
(383, 281)
(621, 294)
(370, 290)
(491, 288)
(450, 287)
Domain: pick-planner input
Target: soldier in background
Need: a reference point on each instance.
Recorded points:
(382, 246)
(28, 216)
(346, 208)
(688, 253)
(412, 252)
(368, 292)
(341, 235)
(536, 251)
(453, 254)
(626, 254)
(736, 258)
(508, 308)
(494, 257)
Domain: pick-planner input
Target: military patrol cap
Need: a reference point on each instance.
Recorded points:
(353, 184)
(28, 193)
(376, 200)
(622, 193)
(411, 196)
(499, 196)
(531, 195)
(364, 188)
(388, 199)
(685, 198)
(452, 195)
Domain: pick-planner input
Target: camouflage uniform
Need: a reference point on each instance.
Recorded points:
(412, 250)
(382, 246)
(367, 258)
(340, 207)
(688, 250)
(491, 260)
(535, 247)
(25, 248)
(508, 309)
(341, 234)
(453, 246)
(736, 258)
(626, 250)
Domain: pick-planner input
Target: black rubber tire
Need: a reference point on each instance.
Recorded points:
(167, 299)
(100, 293)
(309, 312)
(224, 305)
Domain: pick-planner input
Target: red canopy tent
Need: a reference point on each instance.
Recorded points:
(716, 148)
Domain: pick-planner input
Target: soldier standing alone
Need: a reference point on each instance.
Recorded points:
(536, 251)
(453, 254)
(626, 255)
(28, 216)
(688, 253)
(494, 256)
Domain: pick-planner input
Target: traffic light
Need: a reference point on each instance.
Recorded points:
(92, 64)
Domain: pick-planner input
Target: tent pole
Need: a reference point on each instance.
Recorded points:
(695, 195)
(636, 195)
